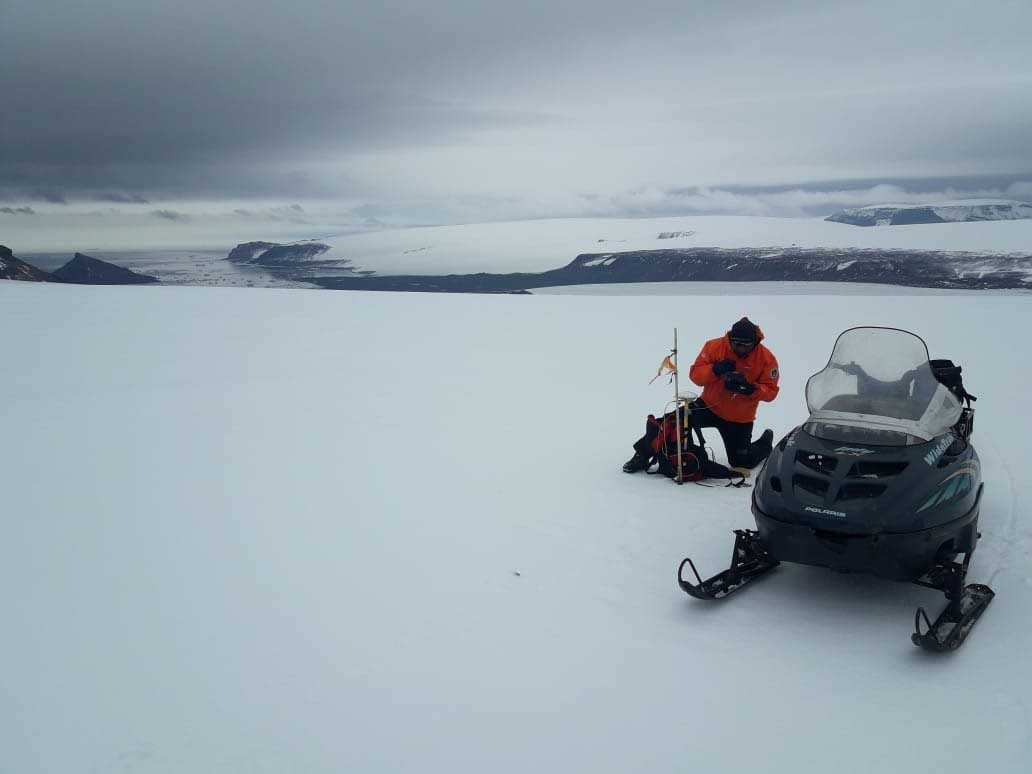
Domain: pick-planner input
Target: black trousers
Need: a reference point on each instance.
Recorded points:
(742, 451)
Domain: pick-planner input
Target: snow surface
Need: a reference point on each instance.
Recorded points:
(540, 245)
(287, 530)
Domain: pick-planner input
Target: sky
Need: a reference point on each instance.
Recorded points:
(226, 114)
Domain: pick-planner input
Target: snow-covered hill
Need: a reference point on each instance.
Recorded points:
(964, 211)
(274, 530)
(543, 245)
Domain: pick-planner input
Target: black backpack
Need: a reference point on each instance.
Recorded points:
(949, 376)
(696, 464)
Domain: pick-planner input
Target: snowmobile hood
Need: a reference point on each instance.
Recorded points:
(864, 489)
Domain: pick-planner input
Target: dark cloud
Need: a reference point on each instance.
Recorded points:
(293, 213)
(118, 197)
(133, 102)
(169, 215)
(48, 195)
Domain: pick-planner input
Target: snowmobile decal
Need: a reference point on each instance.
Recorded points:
(825, 512)
(955, 485)
(851, 451)
(940, 449)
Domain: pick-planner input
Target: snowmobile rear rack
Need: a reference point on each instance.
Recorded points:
(749, 560)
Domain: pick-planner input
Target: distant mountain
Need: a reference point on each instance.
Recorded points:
(14, 269)
(947, 212)
(84, 270)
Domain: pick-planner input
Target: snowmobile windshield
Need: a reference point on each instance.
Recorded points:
(878, 388)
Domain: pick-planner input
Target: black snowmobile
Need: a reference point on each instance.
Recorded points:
(881, 479)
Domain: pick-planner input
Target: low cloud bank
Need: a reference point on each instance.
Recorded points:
(217, 224)
(785, 202)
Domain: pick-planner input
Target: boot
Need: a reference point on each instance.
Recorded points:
(754, 453)
(636, 463)
(761, 448)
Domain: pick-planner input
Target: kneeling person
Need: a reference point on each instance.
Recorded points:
(736, 372)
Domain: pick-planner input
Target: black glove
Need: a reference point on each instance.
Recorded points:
(735, 382)
(722, 367)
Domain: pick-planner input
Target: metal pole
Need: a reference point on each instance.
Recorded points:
(677, 412)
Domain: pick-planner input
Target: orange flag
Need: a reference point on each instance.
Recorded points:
(666, 367)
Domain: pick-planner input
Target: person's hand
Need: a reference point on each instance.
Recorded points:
(736, 382)
(722, 367)
(747, 388)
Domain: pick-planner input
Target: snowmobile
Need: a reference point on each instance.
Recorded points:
(880, 479)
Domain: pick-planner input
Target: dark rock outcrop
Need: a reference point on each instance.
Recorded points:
(15, 269)
(84, 270)
(271, 254)
(248, 251)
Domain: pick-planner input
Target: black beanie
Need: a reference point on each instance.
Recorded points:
(745, 330)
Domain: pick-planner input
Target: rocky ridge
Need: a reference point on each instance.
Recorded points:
(84, 270)
(915, 268)
(12, 268)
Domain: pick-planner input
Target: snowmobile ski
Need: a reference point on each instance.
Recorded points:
(955, 622)
(749, 560)
(743, 472)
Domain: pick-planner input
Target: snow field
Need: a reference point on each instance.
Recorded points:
(272, 530)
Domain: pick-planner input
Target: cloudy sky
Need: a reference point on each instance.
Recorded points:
(323, 113)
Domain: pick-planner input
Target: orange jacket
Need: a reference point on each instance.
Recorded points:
(759, 367)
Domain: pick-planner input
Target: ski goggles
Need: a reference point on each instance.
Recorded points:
(743, 342)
